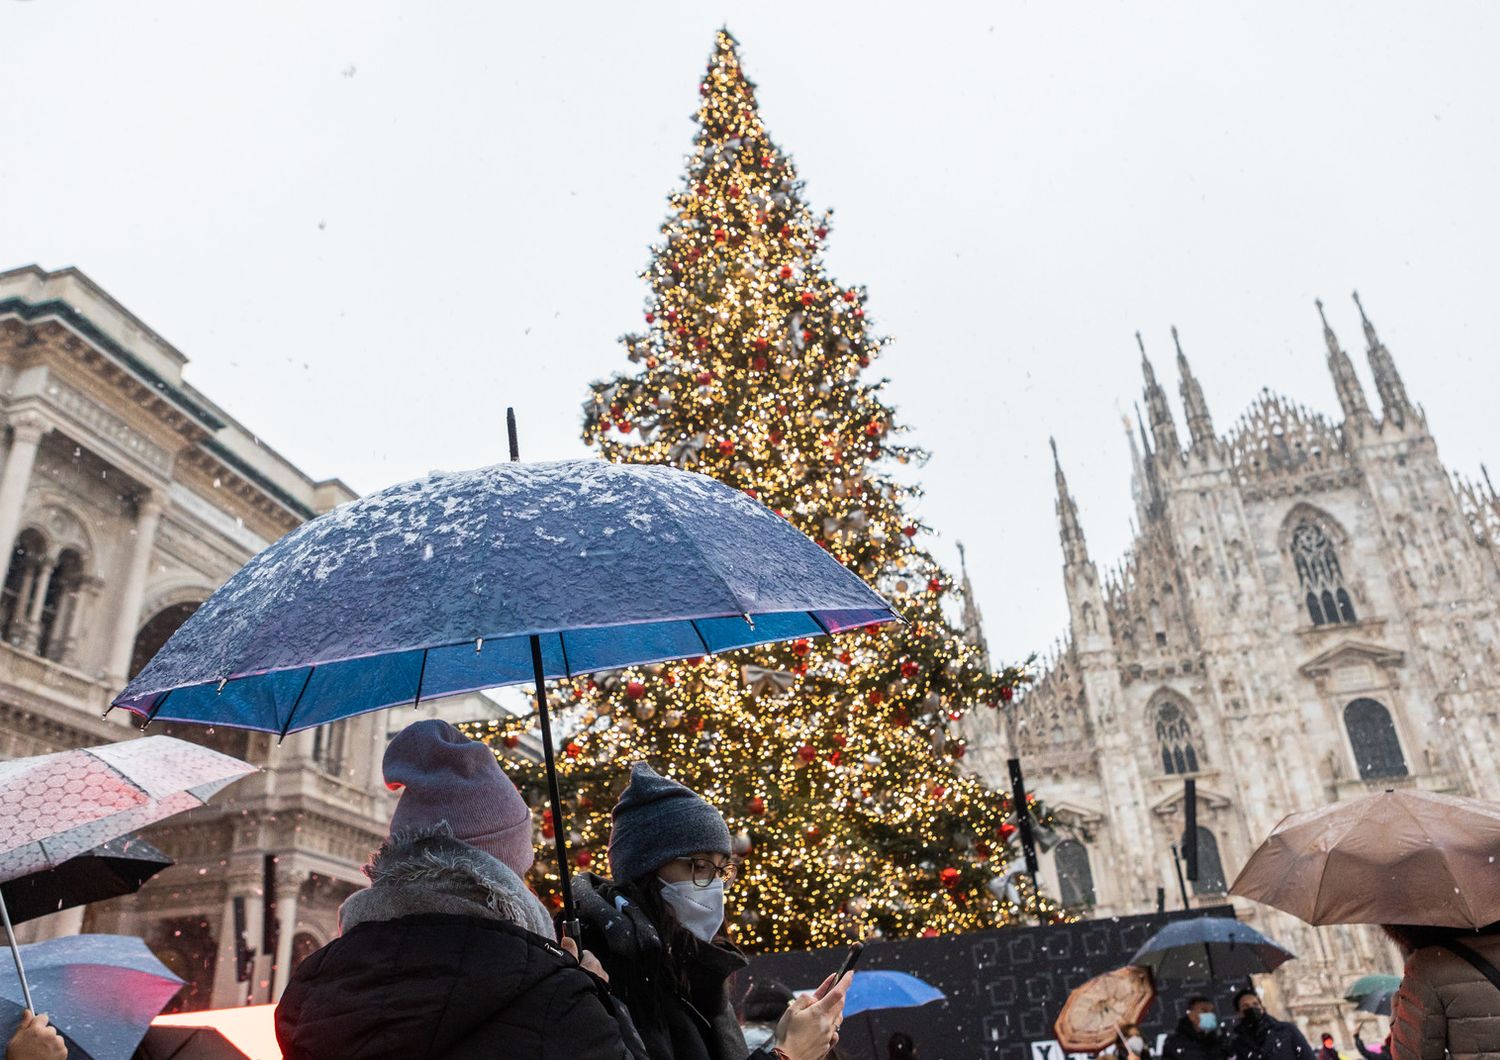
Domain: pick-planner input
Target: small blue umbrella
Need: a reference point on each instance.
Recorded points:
(1210, 947)
(872, 990)
(100, 991)
(476, 579)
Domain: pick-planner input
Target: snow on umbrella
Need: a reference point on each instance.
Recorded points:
(1211, 948)
(56, 806)
(111, 869)
(1092, 1016)
(1396, 857)
(102, 992)
(508, 574)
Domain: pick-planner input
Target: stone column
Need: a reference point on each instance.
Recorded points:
(31, 632)
(288, 888)
(16, 478)
(148, 516)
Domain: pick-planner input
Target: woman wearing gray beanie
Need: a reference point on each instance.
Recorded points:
(447, 954)
(658, 928)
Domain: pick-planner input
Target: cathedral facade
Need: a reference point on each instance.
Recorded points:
(1307, 614)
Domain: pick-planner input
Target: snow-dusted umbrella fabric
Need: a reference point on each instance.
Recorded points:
(118, 867)
(1210, 948)
(436, 586)
(100, 991)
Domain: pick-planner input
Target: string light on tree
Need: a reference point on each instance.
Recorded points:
(834, 760)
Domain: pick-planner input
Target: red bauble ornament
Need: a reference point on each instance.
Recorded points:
(833, 759)
(800, 669)
(807, 298)
(820, 231)
(864, 362)
(693, 660)
(934, 585)
(650, 318)
(510, 739)
(958, 750)
(756, 805)
(624, 426)
(981, 850)
(703, 188)
(548, 832)
(929, 933)
(672, 316)
(1006, 830)
(765, 160)
(774, 437)
(949, 877)
(872, 429)
(845, 658)
(849, 296)
(1007, 693)
(734, 191)
(761, 343)
(700, 343)
(635, 688)
(669, 677)
(800, 648)
(901, 719)
(876, 697)
(572, 750)
(726, 446)
(859, 314)
(786, 232)
(705, 378)
(758, 363)
(813, 833)
(938, 791)
(720, 235)
(696, 724)
(583, 859)
(786, 272)
(807, 752)
(910, 669)
(840, 739)
(909, 531)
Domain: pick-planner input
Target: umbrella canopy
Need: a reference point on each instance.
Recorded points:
(1092, 1016)
(438, 586)
(1366, 985)
(1377, 1002)
(1399, 857)
(55, 807)
(187, 1043)
(118, 867)
(873, 990)
(1210, 947)
(100, 991)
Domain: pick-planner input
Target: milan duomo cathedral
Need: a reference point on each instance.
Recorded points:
(1307, 614)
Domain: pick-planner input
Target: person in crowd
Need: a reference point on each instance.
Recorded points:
(764, 1006)
(447, 955)
(658, 928)
(1131, 1044)
(1449, 998)
(1196, 1036)
(36, 1039)
(901, 1046)
(1258, 1035)
(1380, 1052)
(1328, 1051)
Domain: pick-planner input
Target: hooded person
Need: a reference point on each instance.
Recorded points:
(1196, 1036)
(1258, 1035)
(658, 928)
(447, 954)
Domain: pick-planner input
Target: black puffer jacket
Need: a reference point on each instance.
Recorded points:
(1268, 1038)
(677, 1021)
(446, 957)
(1187, 1042)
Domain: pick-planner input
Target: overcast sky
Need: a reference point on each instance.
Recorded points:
(373, 225)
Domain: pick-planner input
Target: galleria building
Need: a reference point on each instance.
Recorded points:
(126, 498)
(1307, 614)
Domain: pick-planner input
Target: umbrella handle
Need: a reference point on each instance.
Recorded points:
(15, 952)
(564, 876)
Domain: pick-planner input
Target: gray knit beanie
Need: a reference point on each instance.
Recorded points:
(445, 776)
(658, 819)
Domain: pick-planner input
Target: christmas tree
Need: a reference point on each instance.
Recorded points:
(835, 760)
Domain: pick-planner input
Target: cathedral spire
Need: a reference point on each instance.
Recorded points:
(1148, 501)
(1075, 550)
(1163, 429)
(973, 621)
(1200, 425)
(1351, 394)
(1388, 382)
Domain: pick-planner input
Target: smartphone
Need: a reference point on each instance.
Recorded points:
(850, 961)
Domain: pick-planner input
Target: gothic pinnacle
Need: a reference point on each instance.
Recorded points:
(1365, 320)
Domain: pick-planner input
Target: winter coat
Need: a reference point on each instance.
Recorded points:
(1187, 1042)
(696, 1025)
(447, 956)
(1268, 1038)
(1445, 1003)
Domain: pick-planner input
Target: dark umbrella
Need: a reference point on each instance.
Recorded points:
(1210, 947)
(118, 867)
(186, 1043)
(1377, 1002)
(508, 574)
(102, 991)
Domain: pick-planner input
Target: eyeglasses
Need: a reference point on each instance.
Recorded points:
(705, 871)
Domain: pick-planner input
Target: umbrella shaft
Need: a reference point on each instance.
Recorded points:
(15, 952)
(570, 915)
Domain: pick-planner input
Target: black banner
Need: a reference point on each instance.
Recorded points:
(1003, 989)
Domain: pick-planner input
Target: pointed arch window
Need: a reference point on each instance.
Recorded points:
(1320, 576)
(1175, 738)
(1075, 876)
(1210, 879)
(1372, 736)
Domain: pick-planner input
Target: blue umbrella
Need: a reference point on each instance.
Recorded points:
(100, 991)
(872, 990)
(1210, 947)
(470, 580)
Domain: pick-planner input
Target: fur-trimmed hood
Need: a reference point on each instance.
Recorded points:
(428, 871)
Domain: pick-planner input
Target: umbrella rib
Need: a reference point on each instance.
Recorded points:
(706, 649)
(295, 703)
(693, 543)
(416, 700)
(562, 646)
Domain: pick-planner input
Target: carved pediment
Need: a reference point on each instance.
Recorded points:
(1351, 653)
(1170, 804)
(1071, 814)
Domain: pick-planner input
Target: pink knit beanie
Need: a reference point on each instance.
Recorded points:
(445, 776)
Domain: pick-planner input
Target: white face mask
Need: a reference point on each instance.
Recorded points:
(699, 909)
(1136, 1044)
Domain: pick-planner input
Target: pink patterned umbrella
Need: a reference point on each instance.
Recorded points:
(55, 807)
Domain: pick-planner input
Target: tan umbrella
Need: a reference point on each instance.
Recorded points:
(1400, 857)
(1092, 1016)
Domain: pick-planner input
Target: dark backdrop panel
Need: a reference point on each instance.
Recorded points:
(1004, 988)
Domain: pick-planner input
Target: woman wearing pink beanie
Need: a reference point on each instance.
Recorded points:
(447, 954)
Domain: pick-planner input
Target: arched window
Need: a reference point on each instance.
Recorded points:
(26, 563)
(59, 606)
(1174, 738)
(1377, 751)
(1075, 878)
(1319, 576)
(156, 632)
(1210, 869)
